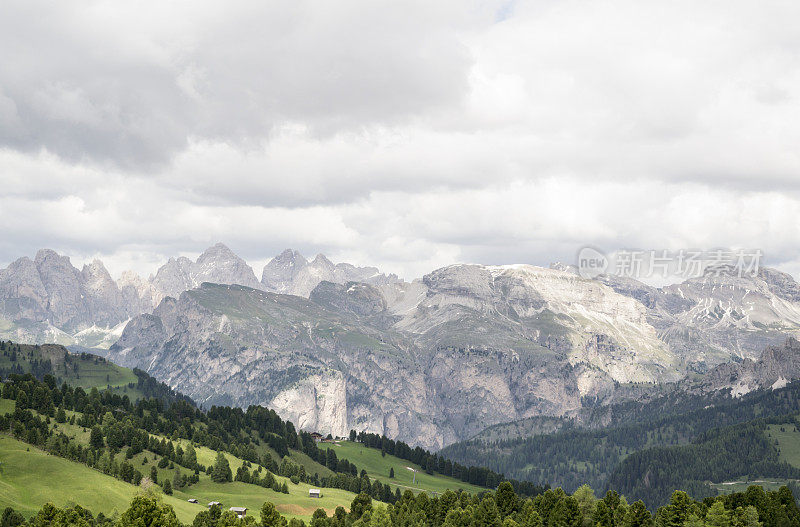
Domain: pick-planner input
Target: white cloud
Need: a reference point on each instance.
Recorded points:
(404, 135)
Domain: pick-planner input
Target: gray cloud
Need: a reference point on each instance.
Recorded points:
(130, 85)
(406, 135)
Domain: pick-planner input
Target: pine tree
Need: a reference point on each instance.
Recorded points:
(638, 516)
(167, 487)
(190, 457)
(507, 501)
(717, 516)
(361, 504)
(677, 512)
(177, 482)
(270, 517)
(603, 516)
(747, 517)
(487, 514)
(391, 472)
(565, 513)
(222, 469)
(148, 510)
(96, 438)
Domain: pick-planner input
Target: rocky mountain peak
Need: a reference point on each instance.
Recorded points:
(49, 256)
(282, 269)
(51, 296)
(173, 277)
(21, 267)
(96, 273)
(130, 277)
(321, 262)
(217, 264)
(22, 292)
(290, 255)
(290, 273)
(461, 280)
(98, 283)
(217, 252)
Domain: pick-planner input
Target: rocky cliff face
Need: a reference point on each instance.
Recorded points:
(326, 369)
(774, 369)
(465, 347)
(713, 319)
(477, 346)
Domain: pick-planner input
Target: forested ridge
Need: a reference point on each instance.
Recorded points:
(575, 456)
(717, 455)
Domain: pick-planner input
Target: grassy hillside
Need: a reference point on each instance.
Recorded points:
(377, 467)
(30, 477)
(296, 504)
(56, 424)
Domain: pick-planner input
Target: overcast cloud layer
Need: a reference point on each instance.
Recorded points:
(407, 135)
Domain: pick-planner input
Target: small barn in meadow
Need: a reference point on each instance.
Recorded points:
(240, 512)
(314, 493)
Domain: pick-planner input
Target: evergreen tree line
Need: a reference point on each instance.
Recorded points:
(501, 508)
(153, 389)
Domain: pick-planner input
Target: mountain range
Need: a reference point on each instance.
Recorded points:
(47, 299)
(335, 347)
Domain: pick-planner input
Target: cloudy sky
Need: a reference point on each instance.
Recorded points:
(407, 135)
